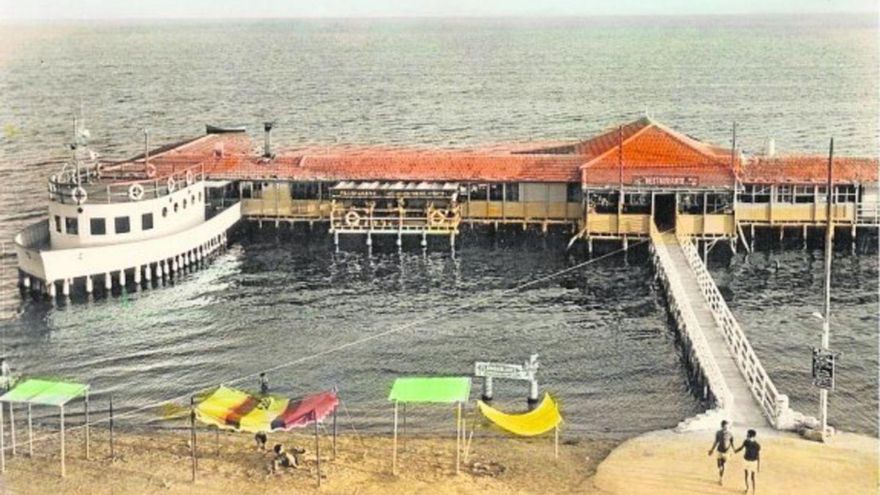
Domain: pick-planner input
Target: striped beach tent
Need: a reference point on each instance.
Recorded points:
(233, 409)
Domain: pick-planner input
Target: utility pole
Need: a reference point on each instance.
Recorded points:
(826, 323)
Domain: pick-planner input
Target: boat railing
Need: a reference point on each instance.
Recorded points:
(93, 189)
(773, 404)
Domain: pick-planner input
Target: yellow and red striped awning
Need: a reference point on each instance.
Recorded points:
(233, 409)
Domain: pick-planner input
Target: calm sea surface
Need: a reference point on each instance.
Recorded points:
(601, 330)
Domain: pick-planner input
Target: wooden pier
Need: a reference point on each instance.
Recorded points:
(722, 361)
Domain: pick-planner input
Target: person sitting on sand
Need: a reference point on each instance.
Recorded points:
(723, 444)
(284, 459)
(752, 458)
(261, 438)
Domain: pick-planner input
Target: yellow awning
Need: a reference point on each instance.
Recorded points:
(540, 420)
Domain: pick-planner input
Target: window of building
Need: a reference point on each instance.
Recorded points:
(719, 204)
(479, 192)
(511, 192)
(246, 189)
(603, 202)
(845, 194)
(175, 207)
(164, 211)
(804, 194)
(146, 221)
(98, 226)
(71, 225)
(57, 223)
(122, 224)
(305, 190)
(574, 192)
(496, 192)
(784, 194)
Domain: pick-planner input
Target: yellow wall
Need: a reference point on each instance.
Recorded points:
(792, 213)
(714, 225)
(606, 224)
(532, 210)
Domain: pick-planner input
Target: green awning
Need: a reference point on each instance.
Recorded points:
(431, 389)
(45, 392)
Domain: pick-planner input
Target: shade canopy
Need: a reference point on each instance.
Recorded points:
(234, 409)
(540, 420)
(431, 389)
(45, 392)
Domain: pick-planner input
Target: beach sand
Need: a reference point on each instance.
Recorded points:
(655, 463)
(159, 462)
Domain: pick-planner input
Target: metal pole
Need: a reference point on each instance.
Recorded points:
(317, 447)
(112, 451)
(458, 438)
(12, 428)
(63, 466)
(30, 432)
(192, 426)
(335, 409)
(86, 412)
(2, 442)
(826, 324)
(404, 427)
(393, 452)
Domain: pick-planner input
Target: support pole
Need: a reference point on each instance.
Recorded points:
(556, 440)
(30, 431)
(826, 324)
(2, 443)
(458, 438)
(393, 451)
(12, 428)
(192, 435)
(63, 464)
(335, 409)
(86, 427)
(112, 447)
(404, 426)
(317, 448)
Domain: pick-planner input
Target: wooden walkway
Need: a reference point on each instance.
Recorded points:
(744, 410)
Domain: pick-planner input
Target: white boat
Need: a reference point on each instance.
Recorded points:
(122, 223)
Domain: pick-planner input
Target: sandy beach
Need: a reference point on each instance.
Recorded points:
(656, 463)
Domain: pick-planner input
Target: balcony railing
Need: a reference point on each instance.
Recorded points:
(94, 190)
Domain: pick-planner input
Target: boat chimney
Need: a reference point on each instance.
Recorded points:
(267, 147)
(770, 151)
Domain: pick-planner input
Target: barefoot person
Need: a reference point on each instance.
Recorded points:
(752, 458)
(723, 444)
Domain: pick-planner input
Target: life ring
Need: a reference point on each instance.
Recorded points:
(136, 192)
(352, 219)
(436, 217)
(150, 170)
(171, 184)
(189, 177)
(79, 195)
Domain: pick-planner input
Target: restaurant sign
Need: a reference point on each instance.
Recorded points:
(666, 180)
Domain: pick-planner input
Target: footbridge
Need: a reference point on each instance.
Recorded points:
(723, 364)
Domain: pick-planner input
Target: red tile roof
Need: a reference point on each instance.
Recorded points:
(655, 154)
(802, 169)
(409, 166)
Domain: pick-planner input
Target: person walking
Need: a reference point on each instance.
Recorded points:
(752, 457)
(723, 445)
(264, 384)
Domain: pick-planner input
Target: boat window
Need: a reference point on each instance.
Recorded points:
(71, 226)
(164, 212)
(146, 221)
(57, 223)
(97, 226)
(122, 224)
(511, 192)
(176, 206)
(200, 195)
(184, 204)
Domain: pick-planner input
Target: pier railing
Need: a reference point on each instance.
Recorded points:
(773, 404)
(690, 326)
(389, 220)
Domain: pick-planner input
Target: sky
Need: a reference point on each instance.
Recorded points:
(171, 9)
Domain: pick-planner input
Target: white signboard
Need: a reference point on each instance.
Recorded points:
(525, 371)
